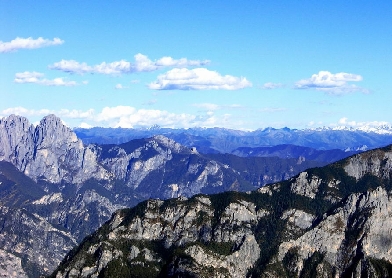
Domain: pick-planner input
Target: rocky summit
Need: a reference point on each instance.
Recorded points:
(55, 190)
(333, 221)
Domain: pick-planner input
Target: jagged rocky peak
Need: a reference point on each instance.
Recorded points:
(50, 150)
(16, 123)
(14, 131)
(169, 143)
(52, 132)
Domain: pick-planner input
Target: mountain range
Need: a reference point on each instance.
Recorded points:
(56, 189)
(333, 221)
(210, 140)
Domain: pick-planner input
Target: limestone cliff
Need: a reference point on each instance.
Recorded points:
(49, 151)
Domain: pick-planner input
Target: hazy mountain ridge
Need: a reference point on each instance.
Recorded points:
(292, 151)
(332, 221)
(209, 140)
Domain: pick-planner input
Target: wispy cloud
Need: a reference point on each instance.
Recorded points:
(198, 79)
(39, 78)
(333, 84)
(142, 64)
(271, 86)
(120, 86)
(27, 43)
(151, 102)
(213, 107)
(272, 109)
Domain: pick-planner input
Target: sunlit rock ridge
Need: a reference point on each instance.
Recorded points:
(333, 221)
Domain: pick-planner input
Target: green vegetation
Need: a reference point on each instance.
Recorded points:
(383, 268)
(221, 248)
(310, 265)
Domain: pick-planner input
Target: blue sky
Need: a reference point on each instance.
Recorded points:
(241, 65)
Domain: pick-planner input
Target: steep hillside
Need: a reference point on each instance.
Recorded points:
(333, 221)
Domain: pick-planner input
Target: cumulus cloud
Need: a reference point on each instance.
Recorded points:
(27, 43)
(368, 125)
(66, 113)
(142, 64)
(129, 117)
(332, 83)
(38, 78)
(271, 86)
(198, 79)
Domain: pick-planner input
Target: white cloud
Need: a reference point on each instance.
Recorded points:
(119, 86)
(129, 117)
(198, 79)
(207, 106)
(72, 66)
(272, 109)
(85, 125)
(213, 107)
(361, 125)
(27, 43)
(180, 63)
(334, 84)
(270, 86)
(142, 64)
(38, 78)
(66, 113)
(151, 102)
(24, 112)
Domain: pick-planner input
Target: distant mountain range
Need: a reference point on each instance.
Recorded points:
(210, 140)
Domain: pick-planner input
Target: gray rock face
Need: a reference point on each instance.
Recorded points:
(365, 215)
(25, 235)
(11, 266)
(377, 163)
(182, 224)
(50, 151)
